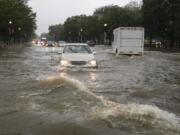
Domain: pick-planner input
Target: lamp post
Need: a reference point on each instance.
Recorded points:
(10, 30)
(81, 30)
(10, 27)
(69, 35)
(19, 34)
(105, 34)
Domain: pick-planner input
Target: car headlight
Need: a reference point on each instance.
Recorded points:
(93, 63)
(64, 62)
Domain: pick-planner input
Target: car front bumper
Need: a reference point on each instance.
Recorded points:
(79, 64)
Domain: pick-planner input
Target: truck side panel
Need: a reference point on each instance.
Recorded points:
(131, 43)
(128, 40)
(131, 34)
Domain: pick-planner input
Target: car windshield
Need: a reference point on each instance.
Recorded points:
(76, 49)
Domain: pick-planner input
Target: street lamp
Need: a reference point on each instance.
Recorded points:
(19, 34)
(10, 30)
(10, 22)
(105, 25)
(105, 34)
(81, 30)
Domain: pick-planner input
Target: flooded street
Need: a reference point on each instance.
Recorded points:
(126, 95)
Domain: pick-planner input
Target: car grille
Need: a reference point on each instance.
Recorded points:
(78, 62)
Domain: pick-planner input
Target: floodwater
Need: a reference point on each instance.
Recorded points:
(126, 95)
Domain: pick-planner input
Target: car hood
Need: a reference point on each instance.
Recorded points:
(77, 57)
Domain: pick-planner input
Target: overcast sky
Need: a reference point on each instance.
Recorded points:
(50, 12)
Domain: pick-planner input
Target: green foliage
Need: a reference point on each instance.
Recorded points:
(55, 32)
(23, 20)
(77, 28)
(162, 20)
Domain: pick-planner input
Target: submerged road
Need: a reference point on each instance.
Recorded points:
(126, 95)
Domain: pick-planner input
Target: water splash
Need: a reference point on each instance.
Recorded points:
(112, 112)
(147, 115)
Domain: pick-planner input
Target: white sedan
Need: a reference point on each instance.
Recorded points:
(77, 55)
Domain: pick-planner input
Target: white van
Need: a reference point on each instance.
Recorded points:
(128, 40)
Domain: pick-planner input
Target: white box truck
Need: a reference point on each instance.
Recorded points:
(128, 40)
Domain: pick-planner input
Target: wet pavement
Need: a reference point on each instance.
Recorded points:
(126, 95)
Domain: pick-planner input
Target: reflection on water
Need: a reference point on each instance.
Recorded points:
(93, 76)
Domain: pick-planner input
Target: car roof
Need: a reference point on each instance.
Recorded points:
(83, 44)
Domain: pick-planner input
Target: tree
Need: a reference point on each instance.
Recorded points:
(17, 20)
(161, 20)
(133, 5)
(115, 16)
(56, 32)
(83, 28)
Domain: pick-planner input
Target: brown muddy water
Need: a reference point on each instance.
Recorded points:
(126, 95)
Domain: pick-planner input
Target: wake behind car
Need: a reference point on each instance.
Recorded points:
(77, 55)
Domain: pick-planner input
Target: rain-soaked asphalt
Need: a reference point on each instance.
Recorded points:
(126, 95)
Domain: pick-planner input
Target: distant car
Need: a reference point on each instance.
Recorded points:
(50, 44)
(91, 43)
(77, 55)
